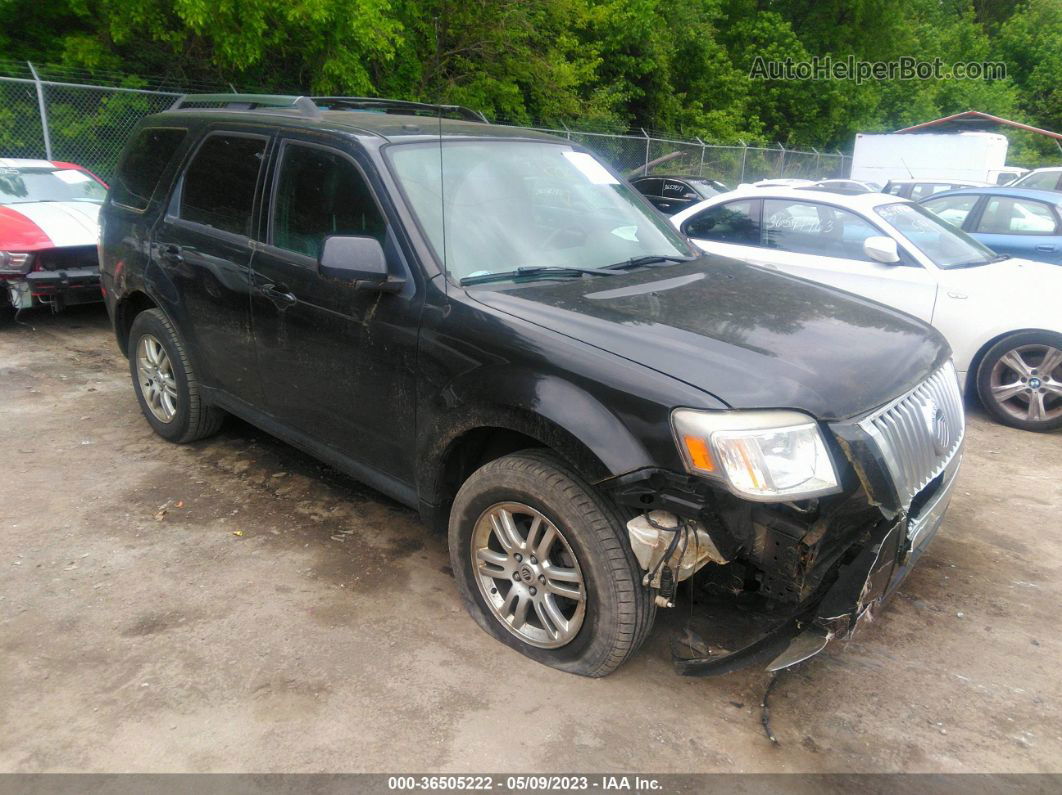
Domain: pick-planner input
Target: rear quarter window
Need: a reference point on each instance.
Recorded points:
(142, 165)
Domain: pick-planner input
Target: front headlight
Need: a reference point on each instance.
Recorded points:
(768, 456)
(14, 262)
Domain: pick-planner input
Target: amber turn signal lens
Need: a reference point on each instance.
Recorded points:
(700, 457)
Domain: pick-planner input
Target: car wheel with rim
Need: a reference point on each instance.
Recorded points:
(1020, 380)
(543, 565)
(165, 382)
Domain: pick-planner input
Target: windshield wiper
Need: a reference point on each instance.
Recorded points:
(532, 271)
(649, 259)
(979, 263)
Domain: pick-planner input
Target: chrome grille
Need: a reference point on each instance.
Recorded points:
(920, 432)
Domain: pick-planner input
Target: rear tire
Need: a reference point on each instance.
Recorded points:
(1019, 380)
(570, 542)
(165, 382)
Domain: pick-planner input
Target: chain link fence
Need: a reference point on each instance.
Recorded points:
(637, 155)
(88, 124)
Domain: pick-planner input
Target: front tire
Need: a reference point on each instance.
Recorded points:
(543, 565)
(165, 382)
(1019, 380)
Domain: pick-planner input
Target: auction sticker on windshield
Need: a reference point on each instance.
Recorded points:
(591, 169)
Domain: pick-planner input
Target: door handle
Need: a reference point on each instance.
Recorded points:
(1045, 248)
(169, 252)
(279, 294)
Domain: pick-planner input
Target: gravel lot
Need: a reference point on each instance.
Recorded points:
(233, 605)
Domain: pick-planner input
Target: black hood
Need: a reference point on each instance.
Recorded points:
(751, 338)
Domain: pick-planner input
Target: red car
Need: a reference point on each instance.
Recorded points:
(48, 233)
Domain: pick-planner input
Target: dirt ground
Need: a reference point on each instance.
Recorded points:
(233, 605)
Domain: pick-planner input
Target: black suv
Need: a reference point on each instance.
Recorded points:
(486, 323)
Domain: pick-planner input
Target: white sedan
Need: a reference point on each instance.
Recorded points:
(1001, 315)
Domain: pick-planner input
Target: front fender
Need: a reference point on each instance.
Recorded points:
(557, 403)
(596, 440)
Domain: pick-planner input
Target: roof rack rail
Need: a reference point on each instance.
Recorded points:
(304, 105)
(381, 105)
(312, 106)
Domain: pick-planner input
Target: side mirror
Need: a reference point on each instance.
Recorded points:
(881, 249)
(359, 260)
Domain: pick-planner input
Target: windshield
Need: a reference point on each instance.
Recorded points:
(48, 185)
(946, 246)
(513, 204)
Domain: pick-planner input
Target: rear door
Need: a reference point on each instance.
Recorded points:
(204, 245)
(1020, 228)
(731, 229)
(337, 363)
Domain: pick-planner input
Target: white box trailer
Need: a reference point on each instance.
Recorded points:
(973, 156)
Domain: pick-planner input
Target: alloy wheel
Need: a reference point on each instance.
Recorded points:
(1026, 383)
(528, 575)
(157, 382)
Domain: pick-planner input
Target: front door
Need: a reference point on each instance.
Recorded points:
(817, 241)
(337, 363)
(825, 243)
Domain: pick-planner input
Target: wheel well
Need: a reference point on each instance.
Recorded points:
(475, 448)
(126, 312)
(478, 446)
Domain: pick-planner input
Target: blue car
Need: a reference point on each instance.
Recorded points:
(1021, 222)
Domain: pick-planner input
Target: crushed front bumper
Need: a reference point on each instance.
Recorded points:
(67, 286)
(862, 585)
(867, 582)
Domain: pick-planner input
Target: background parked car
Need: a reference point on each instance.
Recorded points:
(916, 189)
(1041, 179)
(849, 185)
(781, 182)
(48, 233)
(999, 314)
(670, 194)
(1021, 223)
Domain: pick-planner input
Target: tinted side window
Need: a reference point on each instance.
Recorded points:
(1003, 216)
(728, 223)
(808, 228)
(893, 189)
(677, 190)
(220, 181)
(649, 187)
(952, 209)
(321, 193)
(142, 166)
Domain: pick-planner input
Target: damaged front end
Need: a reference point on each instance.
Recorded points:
(56, 277)
(775, 583)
